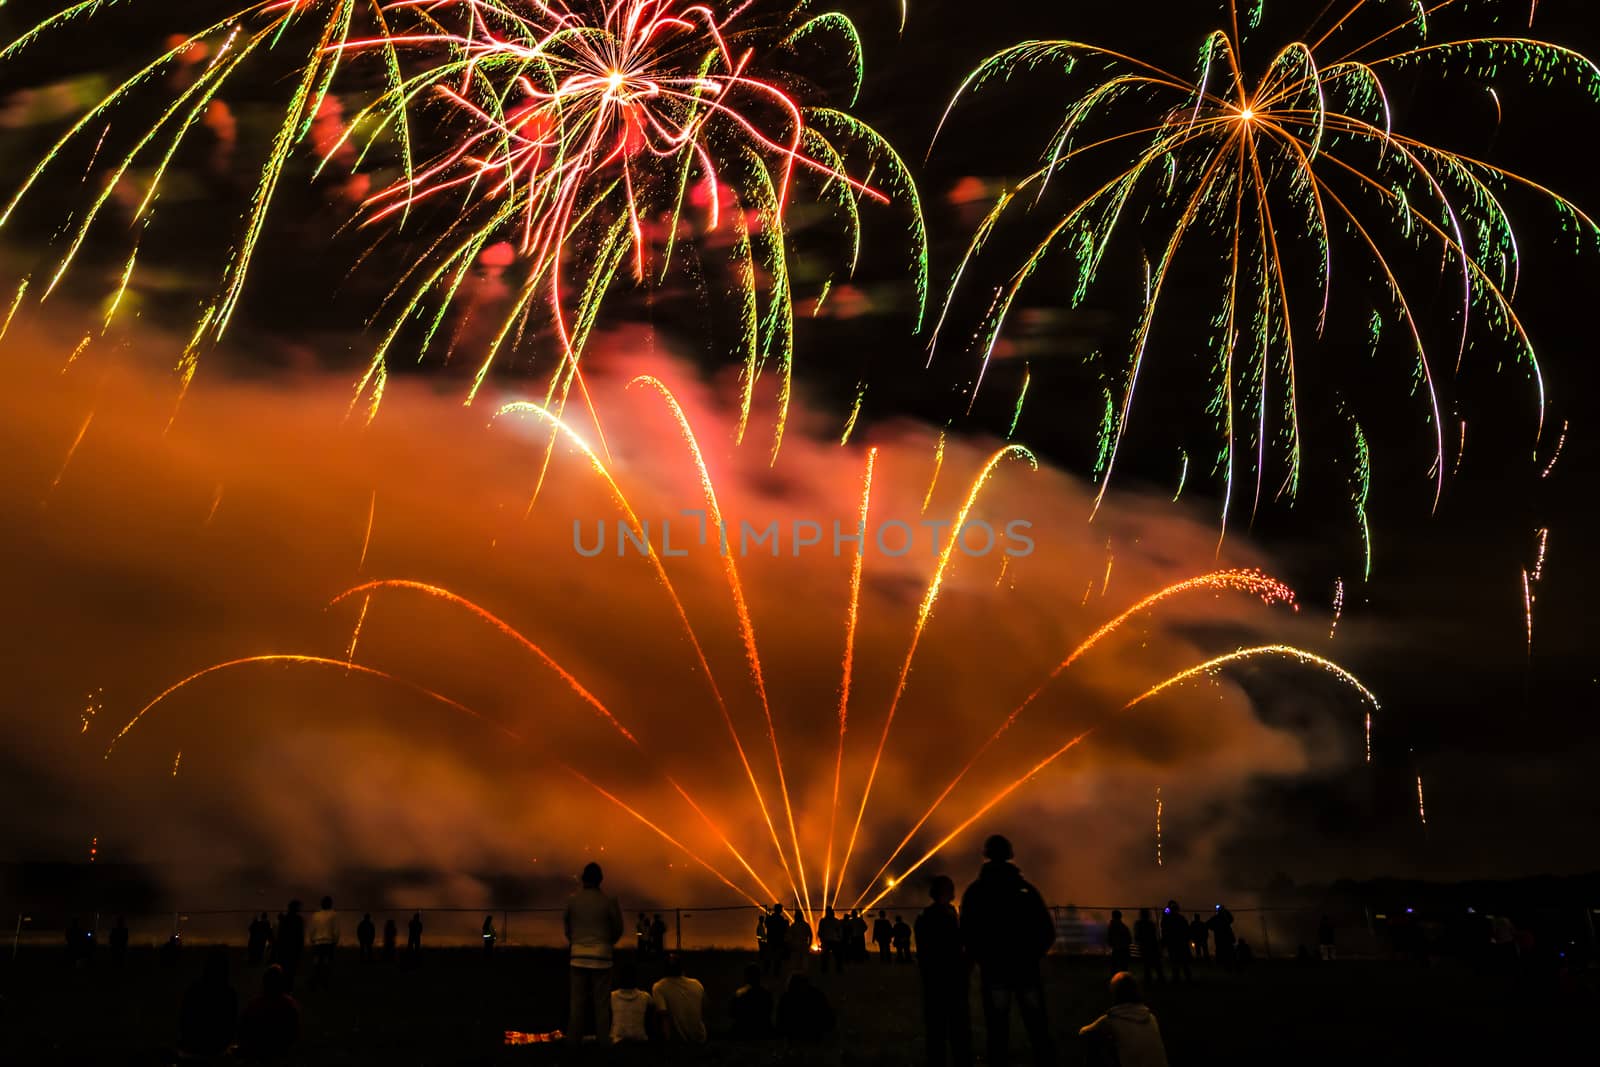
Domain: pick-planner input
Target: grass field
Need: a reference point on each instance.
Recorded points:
(456, 1006)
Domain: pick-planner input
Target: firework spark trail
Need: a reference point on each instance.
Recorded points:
(292, 659)
(621, 499)
(1338, 606)
(1527, 607)
(177, 761)
(295, 659)
(848, 665)
(855, 413)
(1022, 396)
(924, 610)
(11, 312)
(1422, 804)
(483, 614)
(746, 625)
(1461, 450)
(1209, 666)
(1220, 159)
(663, 834)
(1159, 861)
(1268, 589)
(361, 564)
(1367, 734)
(216, 502)
(1555, 457)
(72, 450)
(938, 465)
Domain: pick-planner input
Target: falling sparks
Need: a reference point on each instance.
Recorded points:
(1255, 166)
(938, 465)
(1527, 607)
(11, 312)
(1422, 804)
(855, 413)
(1368, 736)
(1461, 450)
(216, 502)
(94, 848)
(72, 450)
(1183, 474)
(1543, 536)
(1022, 396)
(1159, 861)
(1555, 457)
(177, 761)
(93, 704)
(1338, 605)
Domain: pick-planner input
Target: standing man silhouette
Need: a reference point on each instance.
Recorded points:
(1008, 929)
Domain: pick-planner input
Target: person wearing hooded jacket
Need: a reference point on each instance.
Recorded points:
(1007, 930)
(1127, 1035)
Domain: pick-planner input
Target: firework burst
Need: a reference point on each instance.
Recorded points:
(1296, 175)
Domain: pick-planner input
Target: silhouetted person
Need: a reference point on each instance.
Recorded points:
(290, 943)
(883, 936)
(271, 1022)
(168, 956)
(1222, 933)
(902, 940)
(857, 925)
(490, 936)
(366, 937)
(680, 1003)
(414, 935)
(592, 923)
(260, 935)
(210, 1010)
(942, 961)
(658, 935)
(391, 934)
(1148, 938)
(119, 943)
(1325, 938)
(751, 1008)
(831, 931)
(1120, 941)
(641, 935)
(630, 1005)
(1127, 1035)
(1175, 936)
(1008, 930)
(777, 939)
(324, 935)
(804, 1014)
(800, 938)
(1197, 937)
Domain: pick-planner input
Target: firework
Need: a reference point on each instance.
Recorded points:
(589, 136)
(579, 134)
(1338, 606)
(1209, 667)
(753, 873)
(1308, 155)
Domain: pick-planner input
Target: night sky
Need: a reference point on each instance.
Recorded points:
(127, 574)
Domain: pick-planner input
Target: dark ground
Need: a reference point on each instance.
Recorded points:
(455, 1008)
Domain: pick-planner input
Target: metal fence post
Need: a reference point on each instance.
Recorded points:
(677, 921)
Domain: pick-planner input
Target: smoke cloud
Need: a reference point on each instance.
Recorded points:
(158, 550)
